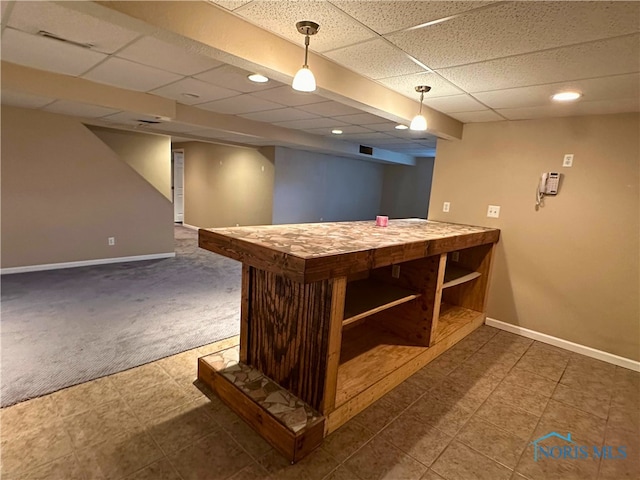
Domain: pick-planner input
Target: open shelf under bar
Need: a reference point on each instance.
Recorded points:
(452, 318)
(456, 274)
(366, 297)
(370, 353)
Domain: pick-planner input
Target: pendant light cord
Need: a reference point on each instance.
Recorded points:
(421, 99)
(306, 50)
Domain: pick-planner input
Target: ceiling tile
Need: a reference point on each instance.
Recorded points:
(70, 24)
(239, 105)
(387, 127)
(234, 78)
(126, 74)
(280, 115)
(514, 28)
(375, 59)
(78, 109)
(479, 116)
(312, 123)
(47, 54)
(600, 107)
(157, 53)
(345, 129)
(330, 109)
(604, 88)
(24, 100)
(205, 91)
(288, 96)
(230, 4)
(454, 103)
(598, 59)
(361, 119)
(406, 85)
(280, 17)
(385, 17)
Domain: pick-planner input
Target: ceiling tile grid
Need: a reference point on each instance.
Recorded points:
(240, 105)
(406, 84)
(329, 109)
(279, 115)
(193, 92)
(280, 17)
(320, 122)
(233, 78)
(133, 76)
(286, 95)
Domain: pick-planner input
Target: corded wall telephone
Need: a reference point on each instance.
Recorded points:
(548, 185)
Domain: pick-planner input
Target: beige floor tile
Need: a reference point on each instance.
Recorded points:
(519, 397)
(556, 468)
(315, 466)
(497, 444)
(431, 475)
(596, 404)
(419, 440)
(102, 422)
(27, 415)
(182, 365)
(378, 414)
(404, 394)
(544, 363)
(118, 457)
(80, 398)
(469, 396)
(154, 401)
(624, 418)
(507, 417)
(446, 417)
(251, 472)
(426, 378)
(530, 381)
(181, 427)
(64, 468)
(160, 470)
(29, 449)
(579, 377)
(564, 419)
(212, 457)
(460, 462)
(379, 460)
(247, 438)
(449, 360)
(489, 363)
(139, 378)
(342, 473)
(346, 440)
(592, 366)
(191, 386)
(621, 468)
(509, 343)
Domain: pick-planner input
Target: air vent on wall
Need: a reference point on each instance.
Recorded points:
(366, 150)
(53, 36)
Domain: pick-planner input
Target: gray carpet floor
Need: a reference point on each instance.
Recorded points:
(63, 327)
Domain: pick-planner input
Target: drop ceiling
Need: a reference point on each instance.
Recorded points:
(485, 61)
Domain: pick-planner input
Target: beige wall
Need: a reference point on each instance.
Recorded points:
(406, 189)
(64, 192)
(570, 269)
(149, 155)
(227, 185)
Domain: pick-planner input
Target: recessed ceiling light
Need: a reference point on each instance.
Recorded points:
(190, 95)
(257, 78)
(566, 96)
(401, 127)
(335, 131)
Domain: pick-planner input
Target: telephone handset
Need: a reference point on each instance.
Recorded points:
(549, 182)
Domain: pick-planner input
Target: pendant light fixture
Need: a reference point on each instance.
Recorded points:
(304, 81)
(419, 122)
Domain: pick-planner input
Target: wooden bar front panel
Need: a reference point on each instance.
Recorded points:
(288, 326)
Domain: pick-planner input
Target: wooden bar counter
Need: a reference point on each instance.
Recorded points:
(338, 314)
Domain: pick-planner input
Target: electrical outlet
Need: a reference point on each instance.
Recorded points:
(446, 206)
(111, 241)
(568, 160)
(395, 271)
(493, 211)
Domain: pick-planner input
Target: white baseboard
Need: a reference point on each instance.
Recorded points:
(84, 263)
(565, 344)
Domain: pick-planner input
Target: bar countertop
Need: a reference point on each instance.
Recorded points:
(315, 251)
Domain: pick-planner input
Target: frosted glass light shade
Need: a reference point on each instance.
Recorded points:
(418, 123)
(304, 81)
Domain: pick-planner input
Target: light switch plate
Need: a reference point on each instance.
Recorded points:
(568, 160)
(446, 206)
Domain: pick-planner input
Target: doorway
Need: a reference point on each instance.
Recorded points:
(177, 185)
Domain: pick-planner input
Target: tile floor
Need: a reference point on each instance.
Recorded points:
(470, 414)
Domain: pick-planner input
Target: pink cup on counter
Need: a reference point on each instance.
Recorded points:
(382, 221)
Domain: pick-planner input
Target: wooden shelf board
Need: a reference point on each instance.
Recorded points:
(453, 318)
(370, 353)
(456, 274)
(366, 297)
